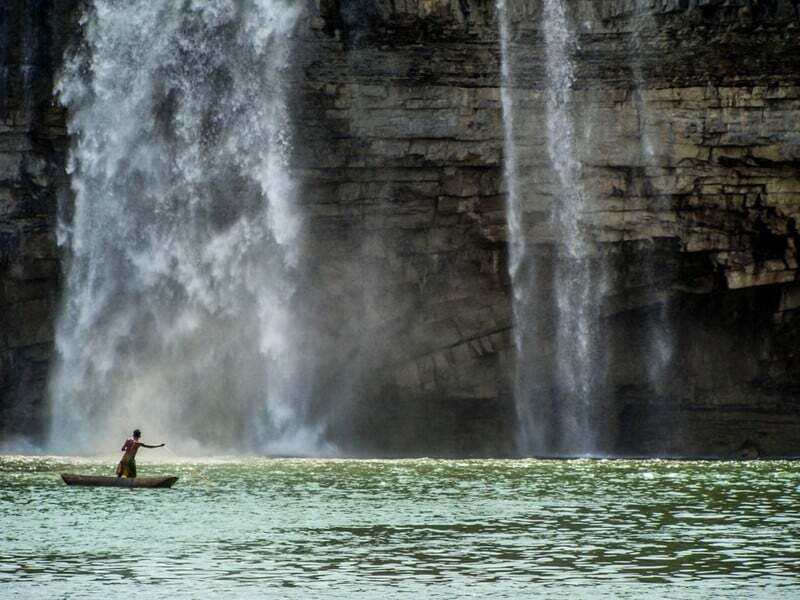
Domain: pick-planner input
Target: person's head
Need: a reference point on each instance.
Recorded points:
(137, 434)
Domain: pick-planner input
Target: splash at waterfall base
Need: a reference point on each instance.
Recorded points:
(403, 299)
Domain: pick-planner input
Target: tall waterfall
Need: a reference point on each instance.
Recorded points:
(658, 328)
(182, 243)
(560, 365)
(517, 246)
(579, 280)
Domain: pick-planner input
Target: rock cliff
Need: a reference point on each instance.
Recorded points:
(32, 175)
(688, 113)
(689, 118)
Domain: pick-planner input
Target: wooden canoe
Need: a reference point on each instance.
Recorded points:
(126, 482)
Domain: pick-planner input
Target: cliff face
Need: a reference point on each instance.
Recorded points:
(688, 114)
(32, 174)
(401, 148)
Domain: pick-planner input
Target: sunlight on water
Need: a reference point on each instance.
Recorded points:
(423, 528)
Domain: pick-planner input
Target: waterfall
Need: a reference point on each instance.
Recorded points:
(521, 278)
(558, 398)
(659, 335)
(641, 18)
(579, 279)
(178, 313)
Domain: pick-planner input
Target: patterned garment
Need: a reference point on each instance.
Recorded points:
(126, 468)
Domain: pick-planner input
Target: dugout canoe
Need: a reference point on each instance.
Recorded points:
(125, 482)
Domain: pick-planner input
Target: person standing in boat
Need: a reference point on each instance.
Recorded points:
(127, 466)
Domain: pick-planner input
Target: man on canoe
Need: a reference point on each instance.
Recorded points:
(127, 466)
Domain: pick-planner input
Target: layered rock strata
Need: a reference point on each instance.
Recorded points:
(688, 113)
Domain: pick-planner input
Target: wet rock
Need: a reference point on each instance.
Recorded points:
(32, 162)
(687, 112)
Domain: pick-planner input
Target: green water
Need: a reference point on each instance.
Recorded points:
(301, 528)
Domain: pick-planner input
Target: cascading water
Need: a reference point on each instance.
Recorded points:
(641, 18)
(521, 277)
(178, 313)
(659, 335)
(579, 279)
(557, 397)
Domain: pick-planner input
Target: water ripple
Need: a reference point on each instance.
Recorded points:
(424, 528)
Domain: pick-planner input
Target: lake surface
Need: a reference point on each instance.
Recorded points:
(303, 528)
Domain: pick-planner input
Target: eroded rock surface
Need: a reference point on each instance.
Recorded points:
(688, 113)
(32, 174)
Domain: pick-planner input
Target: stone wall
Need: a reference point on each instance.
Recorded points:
(688, 112)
